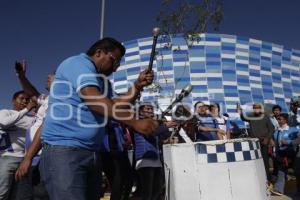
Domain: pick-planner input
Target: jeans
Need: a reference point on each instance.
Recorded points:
(279, 185)
(282, 159)
(37, 187)
(9, 189)
(70, 173)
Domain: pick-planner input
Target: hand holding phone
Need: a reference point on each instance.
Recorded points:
(20, 68)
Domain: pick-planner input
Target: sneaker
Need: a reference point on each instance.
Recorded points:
(275, 192)
(270, 186)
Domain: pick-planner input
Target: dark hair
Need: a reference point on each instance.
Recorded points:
(106, 44)
(276, 107)
(144, 104)
(226, 115)
(256, 104)
(214, 105)
(285, 116)
(181, 110)
(16, 94)
(195, 106)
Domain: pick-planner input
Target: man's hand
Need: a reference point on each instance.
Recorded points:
(145, 126)
(20, 68)
(265, 141)
(272, 143)
(283, 142)
(23, 169)
(145, 78)
(32, 103)
(221, 132)
(170, 124)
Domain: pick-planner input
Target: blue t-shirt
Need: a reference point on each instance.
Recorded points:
(69, 121)
(288, 134)
(207, 121)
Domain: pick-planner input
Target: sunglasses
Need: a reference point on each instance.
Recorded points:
(115, 61)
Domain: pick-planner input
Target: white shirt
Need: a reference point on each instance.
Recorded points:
(222, 125)
(41, 114)
(274, 122)
(13, 126)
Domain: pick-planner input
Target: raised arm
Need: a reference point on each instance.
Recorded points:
(28, 88)
(240, 111)
(145, 78)
(107, 108)
(9, 118)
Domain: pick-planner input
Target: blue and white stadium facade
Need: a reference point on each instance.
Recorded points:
(226, 69)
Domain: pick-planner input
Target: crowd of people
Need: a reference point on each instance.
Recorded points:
(58, 146)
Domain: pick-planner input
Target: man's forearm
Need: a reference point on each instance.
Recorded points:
(131, 95)
(207, 129)
(9, 118)
(28, 88)
(106, 107)
(35, 146)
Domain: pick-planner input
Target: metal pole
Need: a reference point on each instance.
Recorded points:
(102, 19)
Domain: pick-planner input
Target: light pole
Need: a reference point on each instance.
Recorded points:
(102, 19)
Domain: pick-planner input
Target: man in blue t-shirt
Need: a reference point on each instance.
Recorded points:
(207, 127)
(80, 104)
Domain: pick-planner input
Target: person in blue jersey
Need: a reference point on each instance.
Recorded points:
(147, 157)
(116, 165)
(284, 138)
(79, 107)
(207, 126)
(276, 110)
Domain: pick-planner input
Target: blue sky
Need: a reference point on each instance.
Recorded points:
(46, 32)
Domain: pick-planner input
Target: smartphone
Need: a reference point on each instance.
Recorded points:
(18, 66)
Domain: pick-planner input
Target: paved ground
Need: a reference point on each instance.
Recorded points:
(289, 197)
(272, 198)
(290, 193)
(285, 197)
